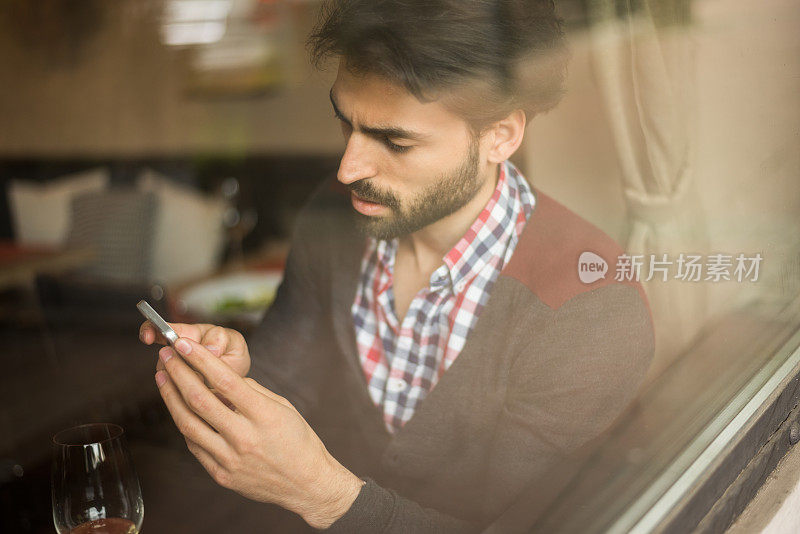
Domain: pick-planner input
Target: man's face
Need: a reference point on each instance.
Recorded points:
(407, 164)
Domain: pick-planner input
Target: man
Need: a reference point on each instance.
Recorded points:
(431, 350)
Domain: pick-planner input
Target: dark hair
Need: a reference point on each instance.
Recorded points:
(485, 58)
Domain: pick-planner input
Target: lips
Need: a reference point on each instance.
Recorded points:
(366, 207)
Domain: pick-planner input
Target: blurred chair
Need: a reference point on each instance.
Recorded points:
(119, 226)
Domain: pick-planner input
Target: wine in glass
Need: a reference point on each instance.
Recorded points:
(95, 489)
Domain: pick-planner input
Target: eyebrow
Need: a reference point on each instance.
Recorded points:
(378, 131)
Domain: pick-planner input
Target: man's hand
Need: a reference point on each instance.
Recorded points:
(264, 449)
(228, 345)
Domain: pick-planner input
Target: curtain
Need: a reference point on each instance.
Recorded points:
(642, 55)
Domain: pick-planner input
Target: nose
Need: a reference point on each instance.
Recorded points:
(357, 162)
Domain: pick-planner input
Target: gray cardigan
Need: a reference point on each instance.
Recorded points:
(550, 364)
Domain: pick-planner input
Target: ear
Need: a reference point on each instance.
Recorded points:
(506, 136)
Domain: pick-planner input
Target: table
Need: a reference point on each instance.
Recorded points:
(20, 265)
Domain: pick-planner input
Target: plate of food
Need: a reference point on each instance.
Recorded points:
(238, 298)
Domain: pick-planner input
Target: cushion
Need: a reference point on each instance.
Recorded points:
(119, 226)
(189, 231)
(40, 212)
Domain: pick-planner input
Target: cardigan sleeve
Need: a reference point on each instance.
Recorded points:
(381, 510)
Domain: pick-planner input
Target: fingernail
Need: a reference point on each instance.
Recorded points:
(212, 349)
(183, 346)
(166, 353)
(161, 377)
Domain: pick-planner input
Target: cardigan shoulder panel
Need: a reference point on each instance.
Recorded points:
(546, 258)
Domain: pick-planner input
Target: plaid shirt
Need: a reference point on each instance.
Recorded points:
(402, 361)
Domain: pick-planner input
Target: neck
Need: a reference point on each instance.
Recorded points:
(430, 244)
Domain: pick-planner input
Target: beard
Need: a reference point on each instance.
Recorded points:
(443, 197)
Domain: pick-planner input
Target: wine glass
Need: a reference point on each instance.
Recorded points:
(94, 485)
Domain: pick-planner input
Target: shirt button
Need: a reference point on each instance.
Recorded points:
(396, 385)
(460, 286)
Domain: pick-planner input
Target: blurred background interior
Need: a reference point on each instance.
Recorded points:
(161, 149)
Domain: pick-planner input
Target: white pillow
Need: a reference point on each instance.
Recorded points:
(189, 233)
(40, 212)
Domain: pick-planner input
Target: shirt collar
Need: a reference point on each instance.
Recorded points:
(493, 228)
(385, 251)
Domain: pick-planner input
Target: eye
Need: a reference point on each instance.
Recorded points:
(394, 147)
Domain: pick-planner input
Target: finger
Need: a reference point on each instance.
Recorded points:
(209, 463)
(161, 367)
(188, 423)
(216, 340)
(219, 375)
(267, 393)
(149, 334)
(223, 400)
(224, 340)
(197, 396)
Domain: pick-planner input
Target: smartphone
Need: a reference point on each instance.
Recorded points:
(151, 315)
